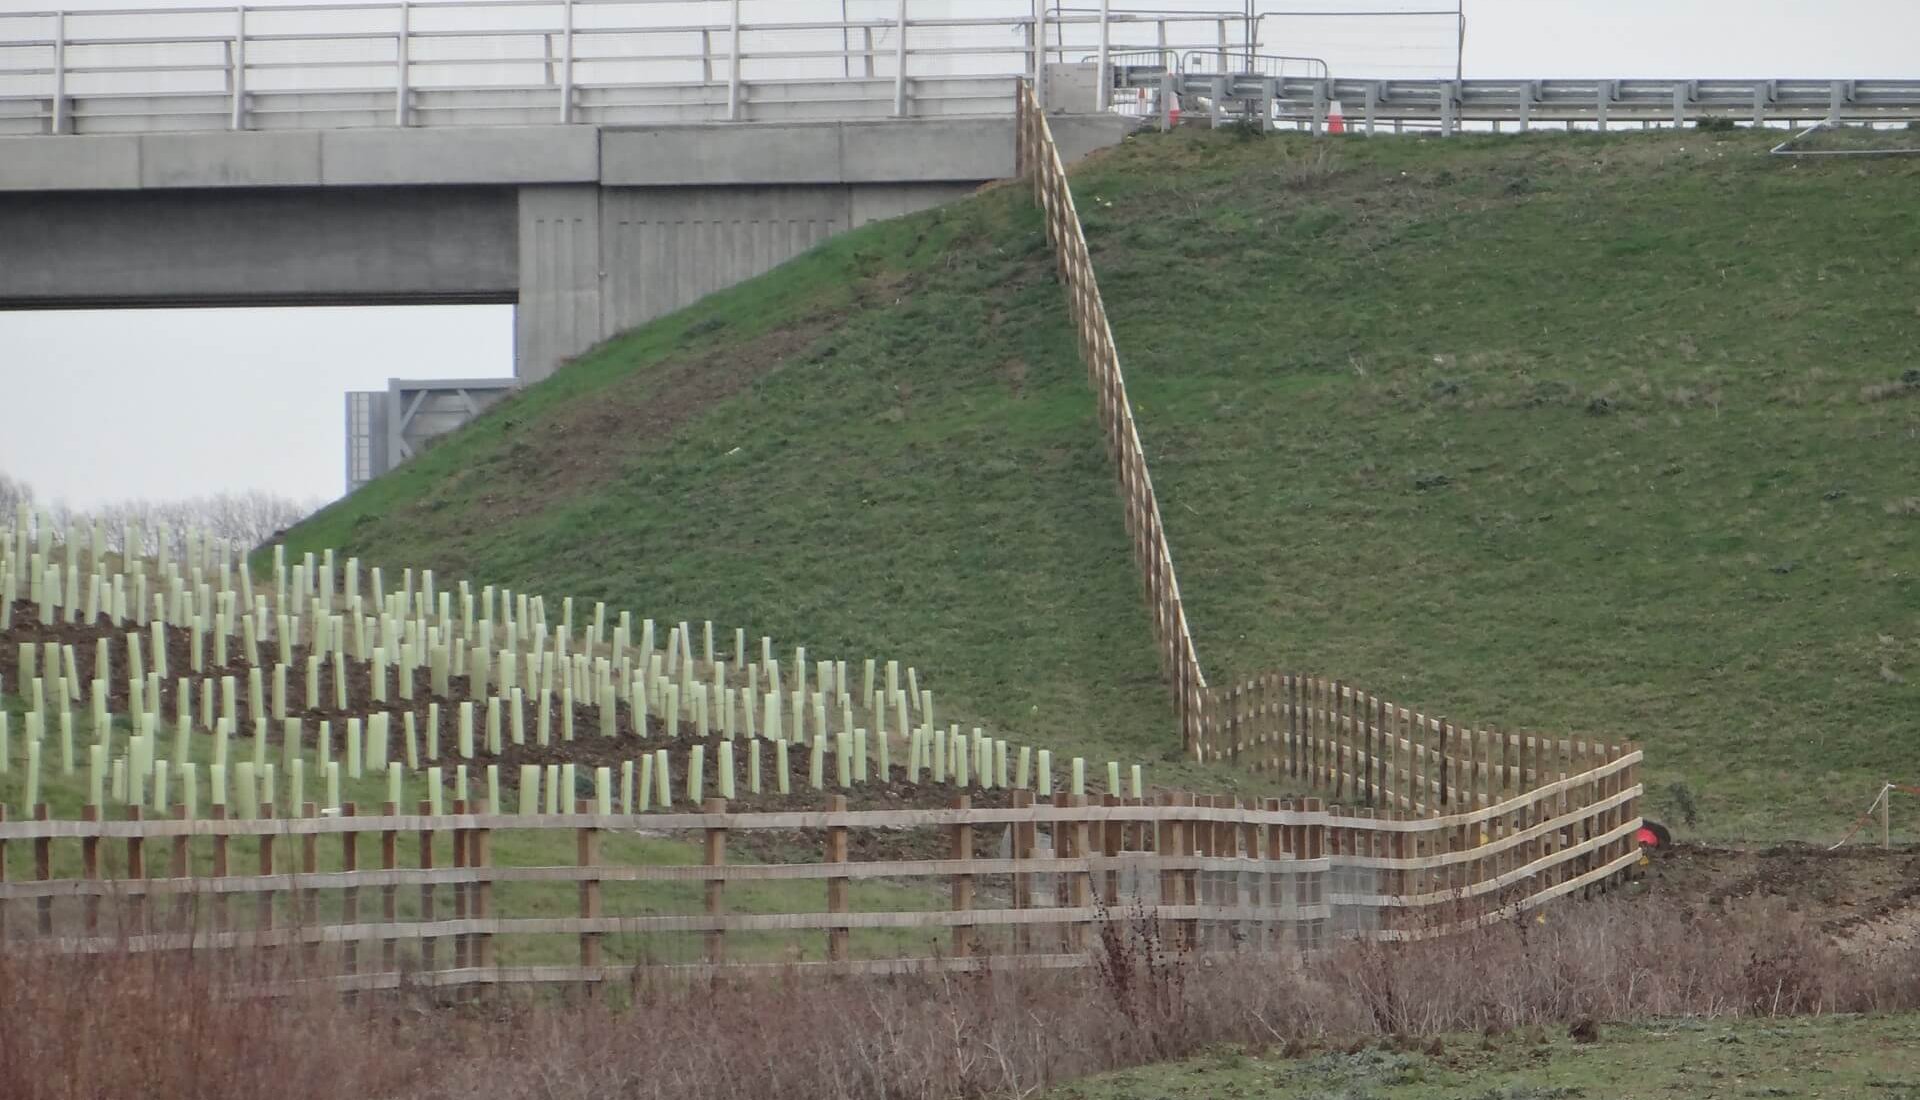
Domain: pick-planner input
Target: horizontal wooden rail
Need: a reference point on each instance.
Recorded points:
(615, 926)
(552, 975)
(668, 822)
(1595, 877)
(1209, 876)
(734, 872)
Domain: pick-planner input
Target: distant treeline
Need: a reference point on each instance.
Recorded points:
(249, 518)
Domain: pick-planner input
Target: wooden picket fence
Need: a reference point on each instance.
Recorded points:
(370, 902)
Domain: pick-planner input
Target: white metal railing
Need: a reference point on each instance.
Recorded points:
(331, 64)
(636, 62)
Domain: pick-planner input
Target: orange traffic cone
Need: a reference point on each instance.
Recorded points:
(1336, 124)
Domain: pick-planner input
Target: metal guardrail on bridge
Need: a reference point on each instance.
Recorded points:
(510, 62)
(649, 62)
(1448, 104)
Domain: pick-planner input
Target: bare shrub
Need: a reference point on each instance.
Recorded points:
(183, 1027)
(177, 1027)
(1308, 171)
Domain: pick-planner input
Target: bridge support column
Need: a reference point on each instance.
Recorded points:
(596, 261)
(560, 310)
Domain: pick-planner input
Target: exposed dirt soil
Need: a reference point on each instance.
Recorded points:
(1865, 897)
(586, 443)
(588, 750)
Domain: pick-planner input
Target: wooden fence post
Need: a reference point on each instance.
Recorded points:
(1581, 800)
(43, 870)
(1384, 752)
(89, 869)
(1318, 715)
(310, 906)
(1166, 845)
(1063, 881)
(389, 893)
(181, 869)
(1330, 737)
(837, 885)
(1199, 883)
(1190, 838)
(1338, 838)
(716, 853)
(1021, 847)
(1303, 697)
(1599, 816)
(349, 896)
(136, 871)
(1371, 842)
(1632, 779)
(1286, 843)
(1310, 691)
(3, 875)
(1346, 731)
(1604, 820)
(1222, 842)
(1112, 843)
(481, 860)
(1313, 845)
(1227, 882)
(1409, 732)
(263, 898)
(222, 853)
(1080, 888)
(1564, 835)
(587, 846)
(461, 941)
(962, 883)
(1247, 884)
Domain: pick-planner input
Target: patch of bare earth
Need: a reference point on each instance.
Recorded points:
(1866, 898)
(586, 442)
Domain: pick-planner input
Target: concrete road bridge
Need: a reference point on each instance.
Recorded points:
(598, 163)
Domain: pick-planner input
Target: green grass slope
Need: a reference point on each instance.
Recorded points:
(1825, 1056)
(1601, 434)
(883, 449)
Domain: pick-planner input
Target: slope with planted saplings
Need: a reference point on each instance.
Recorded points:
(1602, 435)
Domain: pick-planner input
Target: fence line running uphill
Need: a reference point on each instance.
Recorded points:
(1039, 159)
(1212, 875)
(1326, 734)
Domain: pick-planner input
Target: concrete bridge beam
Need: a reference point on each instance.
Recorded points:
(587, 230)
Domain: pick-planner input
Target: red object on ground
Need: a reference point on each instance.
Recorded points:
(1646, 838)
(1336, 123)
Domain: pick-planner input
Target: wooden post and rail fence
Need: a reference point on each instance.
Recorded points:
(390, 899)
(1416, 827)
(1320, 732)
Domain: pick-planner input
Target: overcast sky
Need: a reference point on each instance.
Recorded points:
(165, 403)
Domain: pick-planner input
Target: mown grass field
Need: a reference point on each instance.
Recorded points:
(1599, 434)
(1831, 1057)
